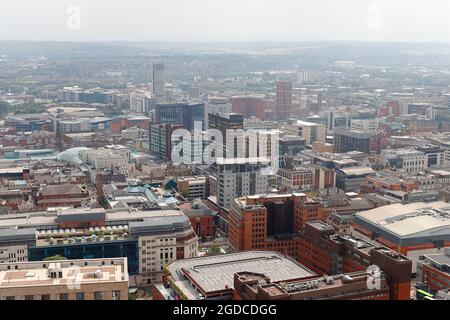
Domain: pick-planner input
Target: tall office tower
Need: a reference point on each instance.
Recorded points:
(158, 82)
(330, 120)
(248, 106)
(239, 178)
(223, 122)
(283, 104)
(185, 114)
(161, 139)
(319, 102)
(302, 77)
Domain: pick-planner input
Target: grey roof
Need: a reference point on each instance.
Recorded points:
(160, 225)
(213, 273)
(17, 235)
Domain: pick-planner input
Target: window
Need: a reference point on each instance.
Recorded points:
(45, 297)
(116, 295)
(28, 297)
(98, 295)
(63, 296)
(80, 296)
(10, 298)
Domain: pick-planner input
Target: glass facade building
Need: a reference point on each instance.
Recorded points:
(91, 250)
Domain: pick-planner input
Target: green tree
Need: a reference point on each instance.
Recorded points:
(55, 258)
(29, 107)
(214, 251)
(4, 107)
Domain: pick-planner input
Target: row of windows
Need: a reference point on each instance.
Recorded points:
(98, 295)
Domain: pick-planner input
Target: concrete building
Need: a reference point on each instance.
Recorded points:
(162, 240)
(407, 160)
(107, 158)
(148, 239)
(158, 82)
(239, 177)
(192, 187)
(310, 131)
(140, 102)
(213, 277)
(161, 139)
(364, 124)
(351, 179)
(85, 279)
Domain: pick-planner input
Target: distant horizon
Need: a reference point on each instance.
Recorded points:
(231, 41)
(225, 21)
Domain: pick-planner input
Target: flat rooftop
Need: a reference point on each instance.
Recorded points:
(216, 273)
(358, 171)
(410, 220)
(34, 274)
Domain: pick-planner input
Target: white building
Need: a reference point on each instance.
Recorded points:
(140, 101)
(311, 132)
(302, 77)
(107, 158)
(364, 124)
(407, 160)
(240, 177)
(161, 241)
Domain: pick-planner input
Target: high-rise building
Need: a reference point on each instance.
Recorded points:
(283, 104)
(238, 177)
(185, 114)
(302, 77)
(158, 82)
(140, 102)
(224, 122)
(160, 139)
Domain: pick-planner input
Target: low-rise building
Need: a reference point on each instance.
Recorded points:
(86, 279)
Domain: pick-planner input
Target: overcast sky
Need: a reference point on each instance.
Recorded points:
(225, 20)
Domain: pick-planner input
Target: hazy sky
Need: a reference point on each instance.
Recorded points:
(225, 20)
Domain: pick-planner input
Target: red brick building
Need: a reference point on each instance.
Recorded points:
(271, 222)
(325, 252)
(63, 195)
(201, 218)
(248, 106)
